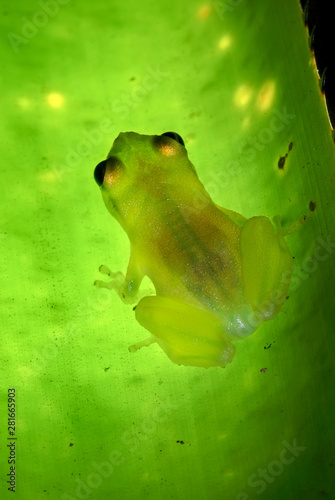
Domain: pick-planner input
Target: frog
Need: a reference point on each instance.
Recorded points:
(216, 276)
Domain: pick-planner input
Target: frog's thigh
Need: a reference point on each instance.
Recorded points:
(188, 335)
(266, 266)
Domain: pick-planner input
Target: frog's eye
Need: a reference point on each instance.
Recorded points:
(167, 147)
(99, 172)
(175, 136)
(107, 171)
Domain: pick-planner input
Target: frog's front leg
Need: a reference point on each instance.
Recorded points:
(188, 335)
(127, 287)
(118, 279)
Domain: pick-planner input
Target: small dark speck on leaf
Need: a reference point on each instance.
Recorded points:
(71, 444)
(267, 346)
(263, 370)
(134, 308)
(312, 206)
(281, 162)
(282, 159)
(106, 369)
(180, 442)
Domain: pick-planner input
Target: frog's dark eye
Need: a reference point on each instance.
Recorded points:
(175, 136)
(108, 172)
(99, 172)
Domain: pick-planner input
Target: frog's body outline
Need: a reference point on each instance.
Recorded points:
(217, 275)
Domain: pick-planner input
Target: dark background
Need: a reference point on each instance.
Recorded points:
(320, 21)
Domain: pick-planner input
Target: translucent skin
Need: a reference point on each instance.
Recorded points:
(217, 275)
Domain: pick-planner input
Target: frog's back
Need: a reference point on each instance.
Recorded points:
(197, 258)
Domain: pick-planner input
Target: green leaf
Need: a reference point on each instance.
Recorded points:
(237, 81)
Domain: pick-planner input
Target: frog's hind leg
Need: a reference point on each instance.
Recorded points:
(234, 216)
(266, 266)
(292, 228)
(188, 335)
(142, 343)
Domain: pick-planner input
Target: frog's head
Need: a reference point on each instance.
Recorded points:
(141, 172)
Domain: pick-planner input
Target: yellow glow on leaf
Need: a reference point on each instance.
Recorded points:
(266, 95)
(242, 95)
(49, 177)
(55, 100)
(225, 42)
(204, 11)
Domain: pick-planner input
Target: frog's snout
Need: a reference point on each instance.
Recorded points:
(99, 172)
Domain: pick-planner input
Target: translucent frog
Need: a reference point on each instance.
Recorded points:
(217, 275)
